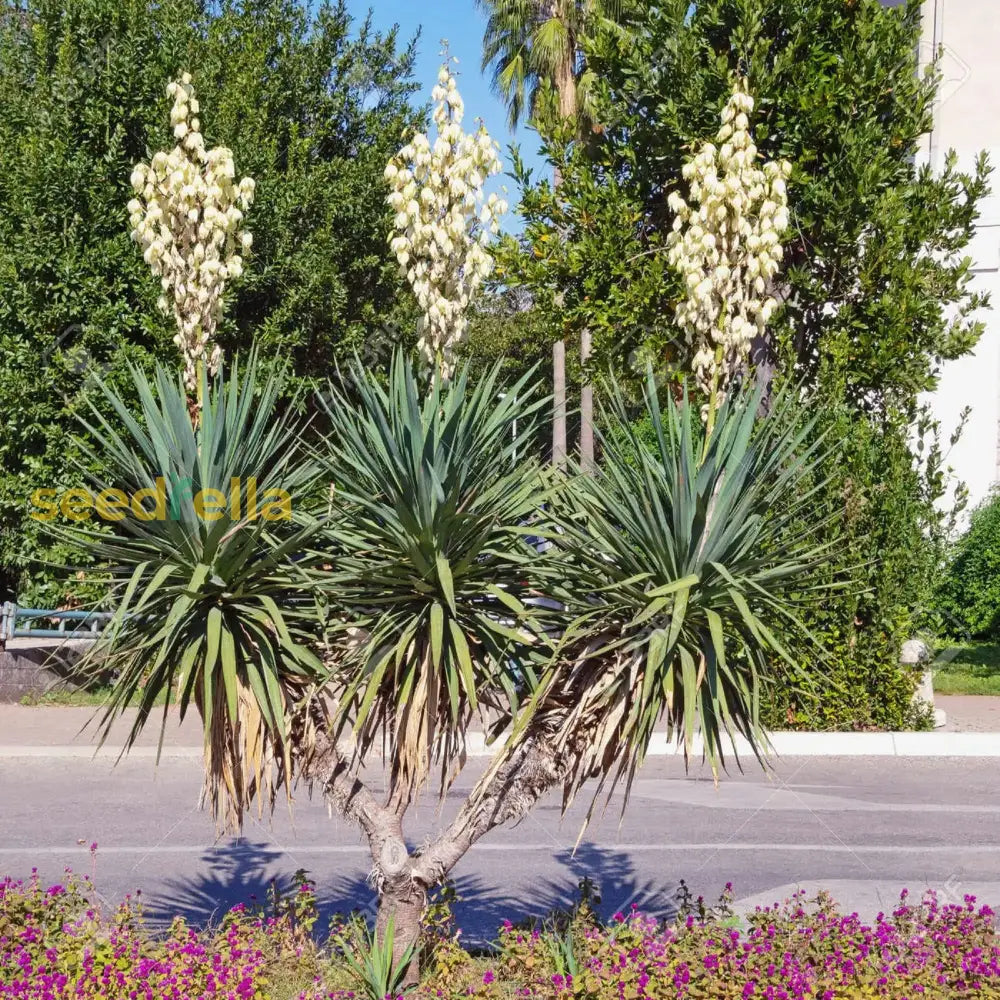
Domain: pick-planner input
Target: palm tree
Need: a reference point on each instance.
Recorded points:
(533, 47)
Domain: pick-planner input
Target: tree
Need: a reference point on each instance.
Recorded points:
(877, 289)
(535, 49)
(388, 616)
(311, 105)
(875, 293)
(968, 592)
(395, 608)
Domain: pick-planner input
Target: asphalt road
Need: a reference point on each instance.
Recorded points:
(862, 827)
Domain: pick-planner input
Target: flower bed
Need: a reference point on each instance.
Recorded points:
(55, 944)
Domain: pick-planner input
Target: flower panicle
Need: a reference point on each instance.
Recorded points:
(444, 222)
(726, 243)
(187, 214)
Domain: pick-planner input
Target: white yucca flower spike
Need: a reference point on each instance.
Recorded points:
(187, 215)
(443, 222)
(725, 243)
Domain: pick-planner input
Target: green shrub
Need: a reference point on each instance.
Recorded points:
(312, 105)
(968, 597)
(878, 502)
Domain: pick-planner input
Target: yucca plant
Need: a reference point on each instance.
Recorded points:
(431, 572)
(685, 565)
(372, 961)
(212, 568)
(428, 532)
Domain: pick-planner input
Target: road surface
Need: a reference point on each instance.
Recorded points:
(862, 827)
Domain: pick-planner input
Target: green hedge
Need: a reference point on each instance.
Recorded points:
(968, 597)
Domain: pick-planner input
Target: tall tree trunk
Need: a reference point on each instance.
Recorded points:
(565, 82)
(566, 72)
(559, 404)
(586, 408)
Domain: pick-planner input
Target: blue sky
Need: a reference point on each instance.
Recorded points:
(461, 23)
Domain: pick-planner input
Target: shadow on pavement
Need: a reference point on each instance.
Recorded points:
(239, 871)
(613, 876)
(243, 871)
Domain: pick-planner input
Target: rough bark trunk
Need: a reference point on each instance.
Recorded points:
(402, 902)
(505, 794)
(401, 897)
(566, 75)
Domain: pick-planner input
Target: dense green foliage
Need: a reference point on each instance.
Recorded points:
(874, 257)
(311, 105)
(968, 597)
(429, 533)
(875, 289)
(880, 504)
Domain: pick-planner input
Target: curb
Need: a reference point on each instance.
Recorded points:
(812, 744)
(783, 744)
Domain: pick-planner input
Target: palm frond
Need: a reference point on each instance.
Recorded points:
(526, 42)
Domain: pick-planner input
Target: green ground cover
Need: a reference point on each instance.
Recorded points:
(974, 669)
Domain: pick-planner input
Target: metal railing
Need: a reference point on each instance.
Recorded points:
(16, 623)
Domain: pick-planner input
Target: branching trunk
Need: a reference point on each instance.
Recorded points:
(505, 794)
(401, 897)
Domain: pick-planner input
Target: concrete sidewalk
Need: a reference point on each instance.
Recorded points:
(970, 713)
(58, 726)
(56, 731)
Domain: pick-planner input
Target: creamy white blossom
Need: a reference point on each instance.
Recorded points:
(725, 243)
(187, 215)
(444, 223)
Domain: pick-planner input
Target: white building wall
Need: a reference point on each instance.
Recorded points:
(967, 120)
